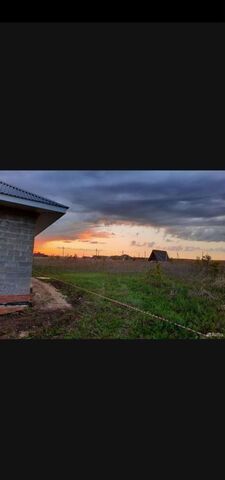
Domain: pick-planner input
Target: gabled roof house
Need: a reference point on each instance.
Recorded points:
(23, 215)
(158, 256)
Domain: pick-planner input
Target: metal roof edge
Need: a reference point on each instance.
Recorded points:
(38, 199)
(32, 203)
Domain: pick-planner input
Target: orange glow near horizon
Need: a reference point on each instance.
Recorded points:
(130, 239)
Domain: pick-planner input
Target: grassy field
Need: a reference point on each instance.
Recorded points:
(188, 292)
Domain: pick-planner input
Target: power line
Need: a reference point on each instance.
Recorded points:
(66, 248)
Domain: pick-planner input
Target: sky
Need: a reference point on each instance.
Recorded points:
(131, 211)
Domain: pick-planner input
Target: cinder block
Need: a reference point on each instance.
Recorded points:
(16, 251)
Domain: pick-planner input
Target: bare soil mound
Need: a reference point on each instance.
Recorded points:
(46, 297)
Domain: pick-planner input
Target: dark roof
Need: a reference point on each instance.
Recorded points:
(159, 255)
(6, 189)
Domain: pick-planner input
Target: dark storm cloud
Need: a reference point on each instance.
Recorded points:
(189, 205)
(207, 234)
(133, 243)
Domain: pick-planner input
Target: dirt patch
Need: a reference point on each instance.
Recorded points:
(45, 297)
(50, 312)
(34, 323)
(76, 297)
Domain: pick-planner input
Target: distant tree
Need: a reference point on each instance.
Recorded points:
(206, 258)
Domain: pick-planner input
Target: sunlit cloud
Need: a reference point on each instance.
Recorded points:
(177, 210)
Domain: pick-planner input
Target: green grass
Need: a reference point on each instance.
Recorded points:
(176, 300)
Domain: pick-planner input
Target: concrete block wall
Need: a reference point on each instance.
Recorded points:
(16, 250)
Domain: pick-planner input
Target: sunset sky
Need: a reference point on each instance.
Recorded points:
(133, 212)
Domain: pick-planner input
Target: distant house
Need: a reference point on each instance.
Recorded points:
(23, 215)
(121, 257)
(126, 257)
(158, 256)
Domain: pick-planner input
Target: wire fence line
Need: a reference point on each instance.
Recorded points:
(131, 307)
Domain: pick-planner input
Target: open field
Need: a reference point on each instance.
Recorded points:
(186, 292)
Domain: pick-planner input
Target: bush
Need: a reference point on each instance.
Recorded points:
(206, 259)
(156, 276)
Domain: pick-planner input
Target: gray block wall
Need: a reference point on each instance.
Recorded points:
(16, 250)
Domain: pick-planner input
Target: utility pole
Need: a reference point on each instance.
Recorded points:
(62, 248)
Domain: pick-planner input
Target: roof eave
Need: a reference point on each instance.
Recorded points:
(32, 204)
(47, 214)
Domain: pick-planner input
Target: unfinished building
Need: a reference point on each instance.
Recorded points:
(23, 215)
